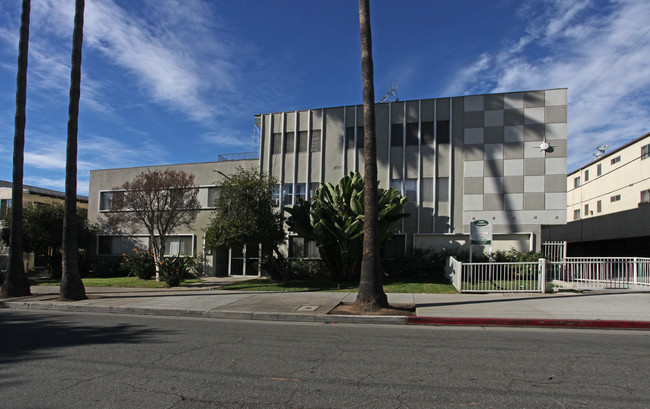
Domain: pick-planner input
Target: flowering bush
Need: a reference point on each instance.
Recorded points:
(172, 269)
(141, 263)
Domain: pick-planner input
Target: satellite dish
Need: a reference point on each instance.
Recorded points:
(602, 148)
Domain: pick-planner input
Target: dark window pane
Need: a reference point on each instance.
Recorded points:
(288, 142)
(442, 131)
(302, 141)
(276, 142)
(349, 138)
(360, 137)
(315, 141)
(397, 135)
(427, 133)
(412, 134)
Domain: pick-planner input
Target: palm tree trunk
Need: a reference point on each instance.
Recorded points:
(72, 287)
(371, 294)
(16, 284)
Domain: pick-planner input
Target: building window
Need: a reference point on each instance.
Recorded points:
(411, 189)
(576, 214)
(275, 195)
(397, 185)
(287, 194)
(349, 137)
(105, 201)
(301, 191)
(427, 133)
(397, 135)
(360, 137)
(213, 194)
(576, 182)
(412, 134)
(313, 186)
(599, 169)
(315, 141)
(118, 245)
(645, 152)
(443, 190)
(288, 142)
(5, 206)
(586, 175)
(599, 206)
(615, 198)
(302, 141)
(586, 210)
(616, 159)
(442, 131)
(301, 248)
(645, 196)
(276, 143)
(179, 246)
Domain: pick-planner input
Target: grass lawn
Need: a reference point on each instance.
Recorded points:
(390, 286)
(114, 282)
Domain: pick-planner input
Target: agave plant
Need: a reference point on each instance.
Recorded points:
(334, 220)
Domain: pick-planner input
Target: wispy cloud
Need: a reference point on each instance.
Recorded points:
(599, 53)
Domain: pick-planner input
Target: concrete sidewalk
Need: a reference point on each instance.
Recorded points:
(627, 309)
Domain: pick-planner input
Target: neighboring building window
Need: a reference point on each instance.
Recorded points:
(349, 137)
(411, 189)
(615, 198)
(599, 169)
(301, 248)
(427, 133)
(443, 190)
(616, 160)
(599, 206)
(645, 152)
(397, 135)
(213, 194)
(397, 184)
(179, 246)
(105, 200)
(315, 141)
(586, 210)
(442, 131)
(645, 196)
(576, 182)
(275, 195)
(313, 186)
(287, 194)
(118, 245)
(302, 141)
(586, 175)
(301, 191)
(276, 143)
(412, 134)
(576, 214)
(5, 205)
(288, 142)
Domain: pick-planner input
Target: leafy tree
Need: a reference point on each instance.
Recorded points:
(244, 214)
(43, 232)
(15, 281)
(335, 221)
(371, 294)
(158, 201)
(72, 287)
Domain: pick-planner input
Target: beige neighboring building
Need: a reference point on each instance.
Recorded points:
(188, 241)
(608, 204)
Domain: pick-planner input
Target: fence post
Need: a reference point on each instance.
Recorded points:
(542, 275)
(635, 270)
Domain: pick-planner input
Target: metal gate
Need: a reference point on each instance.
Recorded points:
(595, 273)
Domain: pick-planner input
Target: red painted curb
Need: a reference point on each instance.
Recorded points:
(524, 322)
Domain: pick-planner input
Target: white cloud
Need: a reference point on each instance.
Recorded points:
(600, 54)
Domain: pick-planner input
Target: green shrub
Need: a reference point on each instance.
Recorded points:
(309, 268)
(139, 262)
(173, 269)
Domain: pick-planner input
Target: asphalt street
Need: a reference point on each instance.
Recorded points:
(81, 360)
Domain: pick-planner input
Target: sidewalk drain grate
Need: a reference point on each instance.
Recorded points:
(308, 308)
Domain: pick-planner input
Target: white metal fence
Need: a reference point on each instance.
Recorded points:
(573, 272)
(554, 250)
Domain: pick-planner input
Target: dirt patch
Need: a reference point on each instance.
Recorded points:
(393, 310)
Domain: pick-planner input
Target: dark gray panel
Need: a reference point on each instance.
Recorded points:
(493, 202)
(534, 132)
(533, 201)
(534, 99)
(493, 168)
(493, 134)
(473, 152)
(534, 167)
(513, 150)
(493, 102)
(474, 119)
(555, 184)
(473, 186)
(513, 116)
(555, 114)
(513, 184)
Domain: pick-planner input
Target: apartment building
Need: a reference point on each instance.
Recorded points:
(608, 204)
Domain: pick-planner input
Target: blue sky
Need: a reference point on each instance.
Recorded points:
(177, 81)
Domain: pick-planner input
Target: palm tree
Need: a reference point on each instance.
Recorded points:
(72, 287)
(16, 284)
(371, 294)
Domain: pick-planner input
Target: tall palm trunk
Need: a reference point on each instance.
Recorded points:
(371, 294)
(16, 284)
(72, 287)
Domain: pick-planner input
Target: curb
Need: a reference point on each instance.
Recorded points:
(524, 322)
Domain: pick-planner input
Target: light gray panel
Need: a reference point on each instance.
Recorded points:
(513, 184)
(532, 150)
(513, 201)
(513, 167)
(493, 168)
(555, 114)
(316, 119)
(473, 103)
(471, 152)
(493, 118)
(493, 202)
(533, 201)
(559, 147)
(396, 161)
(533, 184)
(473, 169)
(493, 185)
(291, 122)
(555, 97)
(534, 99)
(555, 184)
(556, 131)
(493, 102)
(493, 134)
(513, 150)
(513, 133)
(556, 166)
(535, 132)
(473, 185)
(555, 201)
(427, 161)
(472, 202)
(412, 111)
(534, 167)
(473, 119)
(412, 162)
(514, 116)
(303, 120)
(534, 115)
(443, 159)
